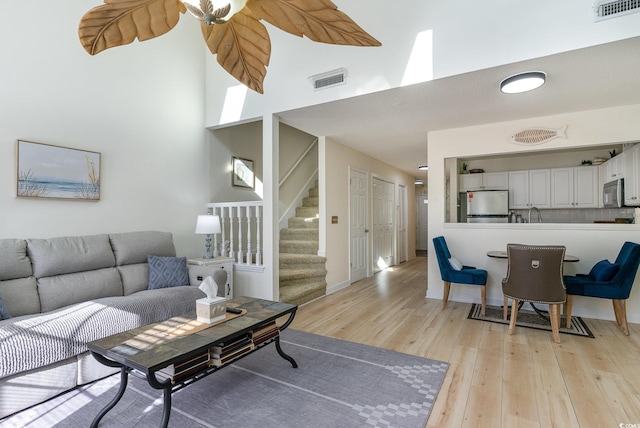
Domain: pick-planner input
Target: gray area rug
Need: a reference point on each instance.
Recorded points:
(530, 319)
(337, 384)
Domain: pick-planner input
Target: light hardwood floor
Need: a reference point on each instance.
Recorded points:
(494, 379)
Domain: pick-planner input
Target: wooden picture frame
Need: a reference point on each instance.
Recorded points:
(242, 173)
(47, 171)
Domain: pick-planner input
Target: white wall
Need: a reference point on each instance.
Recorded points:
(470, 243)
(336, 160)
(141, 106)
(243, 141)
(465, 37)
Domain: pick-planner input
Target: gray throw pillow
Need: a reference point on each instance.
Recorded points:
(167, 272)
(4, 313)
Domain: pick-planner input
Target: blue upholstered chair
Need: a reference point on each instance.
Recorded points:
(459, 274)
(607, 281)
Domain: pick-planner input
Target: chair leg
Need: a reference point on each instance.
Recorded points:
(554, 314)
(445, 295)
(568, 307)
(620, 309)
(505, 308)
(514, 315)
(483, 295)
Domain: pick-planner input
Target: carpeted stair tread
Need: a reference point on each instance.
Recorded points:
(292, 258)
(311, 201)
(307, 212)
(304, 234)
(302, 293)
(299, 247)
(304, 223)
(294, 274)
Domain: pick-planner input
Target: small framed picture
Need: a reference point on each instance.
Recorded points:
(242, 173)
(46, 171)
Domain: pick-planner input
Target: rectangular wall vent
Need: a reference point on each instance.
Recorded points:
(606, 9)
(330, 78)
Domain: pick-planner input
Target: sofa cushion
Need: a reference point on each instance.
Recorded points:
(57, 256)
(167, 272)
(604, 271)
(63, 290)
(134, 277)
(134, 247)
(35, 341)
(14, 262)
(20, 296)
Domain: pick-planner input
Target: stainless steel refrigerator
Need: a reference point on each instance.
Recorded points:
(488, 206)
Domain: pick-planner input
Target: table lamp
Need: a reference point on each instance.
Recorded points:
(207, 225)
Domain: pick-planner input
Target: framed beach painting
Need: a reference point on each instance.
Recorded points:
(242, 172)
(46, 171)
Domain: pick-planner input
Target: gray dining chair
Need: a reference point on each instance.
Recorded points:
(535, 275)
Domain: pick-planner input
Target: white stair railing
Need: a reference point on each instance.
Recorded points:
(241, 235)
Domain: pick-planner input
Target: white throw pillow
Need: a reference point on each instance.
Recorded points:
(455, 263)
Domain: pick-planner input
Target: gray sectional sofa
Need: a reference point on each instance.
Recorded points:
(63, 292)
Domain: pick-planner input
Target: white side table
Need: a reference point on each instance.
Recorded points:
(199, 269)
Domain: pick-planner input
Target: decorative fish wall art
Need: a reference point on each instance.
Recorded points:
(538, 135)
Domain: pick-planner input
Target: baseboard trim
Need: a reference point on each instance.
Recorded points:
(337, 287)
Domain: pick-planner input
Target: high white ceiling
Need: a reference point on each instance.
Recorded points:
(392, 125)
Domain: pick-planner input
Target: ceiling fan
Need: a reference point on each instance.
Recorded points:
(231, 28)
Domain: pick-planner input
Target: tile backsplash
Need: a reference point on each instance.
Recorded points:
(577, 215)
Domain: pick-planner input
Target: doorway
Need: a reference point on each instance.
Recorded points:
(383, 224)
(358, 232)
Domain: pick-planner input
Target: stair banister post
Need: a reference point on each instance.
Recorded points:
(240, 255)
(231, 234)
(258, 235)
(249, 257)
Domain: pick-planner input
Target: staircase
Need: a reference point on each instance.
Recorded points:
(302, 271)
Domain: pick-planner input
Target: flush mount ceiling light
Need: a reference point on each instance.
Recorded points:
(423, 167)
(231, 28)
(418, 181)
(523, 82)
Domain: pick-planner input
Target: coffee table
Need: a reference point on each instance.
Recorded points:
(170, 357)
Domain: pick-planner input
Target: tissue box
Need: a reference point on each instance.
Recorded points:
(211, 310)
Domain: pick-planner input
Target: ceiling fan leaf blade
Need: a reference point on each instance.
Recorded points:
(242, 47)
(120, 22)
(319, 20)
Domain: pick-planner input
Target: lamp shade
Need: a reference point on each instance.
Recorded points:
(208, 224)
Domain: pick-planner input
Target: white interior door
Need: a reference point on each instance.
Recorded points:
(402, 224)
(358, 185)
(383, 224)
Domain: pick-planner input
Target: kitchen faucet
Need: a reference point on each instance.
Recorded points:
(539, 214)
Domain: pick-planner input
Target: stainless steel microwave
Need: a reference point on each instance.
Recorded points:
(613, 193)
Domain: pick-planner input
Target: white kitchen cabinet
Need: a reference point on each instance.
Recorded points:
(529, 188)
(469, 182)
(574, 187)
(632, 176)
(483, 181)
(613, 169)
(199, 269)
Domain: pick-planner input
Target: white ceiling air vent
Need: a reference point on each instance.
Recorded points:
(605, 9)
(330, 78)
